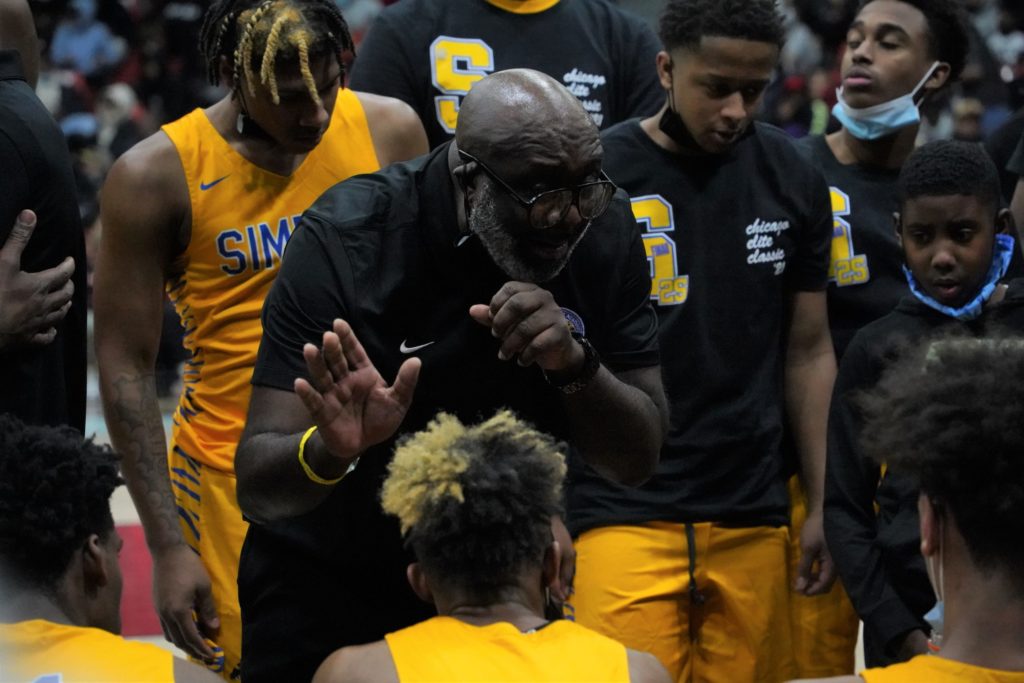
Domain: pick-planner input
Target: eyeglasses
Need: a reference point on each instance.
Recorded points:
(548, 208)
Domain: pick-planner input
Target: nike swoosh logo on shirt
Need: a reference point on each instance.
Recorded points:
(410, 349)
(206, 186)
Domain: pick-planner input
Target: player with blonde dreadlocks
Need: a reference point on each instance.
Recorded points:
(204, 208)
(476, 503)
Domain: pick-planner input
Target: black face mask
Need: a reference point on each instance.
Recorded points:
(671, 124)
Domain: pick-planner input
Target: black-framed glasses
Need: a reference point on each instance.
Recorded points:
(548, 208)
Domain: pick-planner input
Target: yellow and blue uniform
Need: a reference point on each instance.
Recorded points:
(446, 649)
(242, 219)
(939, 670)
(40, 651)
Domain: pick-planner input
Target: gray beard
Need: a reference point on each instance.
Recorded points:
(502, 246)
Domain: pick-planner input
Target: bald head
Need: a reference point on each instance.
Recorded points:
(512, 110)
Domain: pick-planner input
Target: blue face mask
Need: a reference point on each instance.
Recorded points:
(880, 120)
(1002, 253)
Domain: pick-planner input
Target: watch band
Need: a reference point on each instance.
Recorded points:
(591, 364)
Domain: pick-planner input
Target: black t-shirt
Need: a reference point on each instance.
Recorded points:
(1001, 146)
(1016, 162)
(382, 251)
(41, 385)
(877, 552)
(728, 241)
(428, 53)
(866, 278)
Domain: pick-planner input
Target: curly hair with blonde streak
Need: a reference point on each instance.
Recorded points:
(475, 502)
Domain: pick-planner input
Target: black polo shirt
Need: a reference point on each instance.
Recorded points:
(428, 53)
(383, 252)
(729, 240)
(871, 521)
(41, 385)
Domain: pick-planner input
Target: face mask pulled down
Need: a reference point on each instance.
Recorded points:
(1002, 253)
(880, 120)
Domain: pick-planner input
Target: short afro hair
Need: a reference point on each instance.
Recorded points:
(684, 23)
(948, 35)
(55, 492)
(476, 503)
(950, 167)
(950, 416)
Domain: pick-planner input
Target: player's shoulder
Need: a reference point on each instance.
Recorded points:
(389, 114)
(395, 127)
(152, 167)
(371, 663)
(645, 668)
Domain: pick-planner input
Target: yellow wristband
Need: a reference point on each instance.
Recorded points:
(313, 476)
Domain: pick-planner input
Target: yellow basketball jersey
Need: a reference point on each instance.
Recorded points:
(939, 670)
(39, 651)
(446, 649)
(242, 218)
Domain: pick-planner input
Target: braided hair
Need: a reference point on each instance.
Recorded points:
(253, 34)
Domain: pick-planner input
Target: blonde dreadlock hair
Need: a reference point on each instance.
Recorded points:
(475, 502)
(254, 34)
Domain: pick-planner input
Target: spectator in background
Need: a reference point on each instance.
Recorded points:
(967, 113)
(116, 111)
(85, 44)
(1007, 43)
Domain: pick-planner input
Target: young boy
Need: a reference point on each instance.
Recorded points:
(953, 236)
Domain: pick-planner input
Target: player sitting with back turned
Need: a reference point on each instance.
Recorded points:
(59, 575)
(951, 420)
(476, 503)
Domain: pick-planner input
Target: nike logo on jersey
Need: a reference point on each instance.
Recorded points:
(411, 349)
(206, 186)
